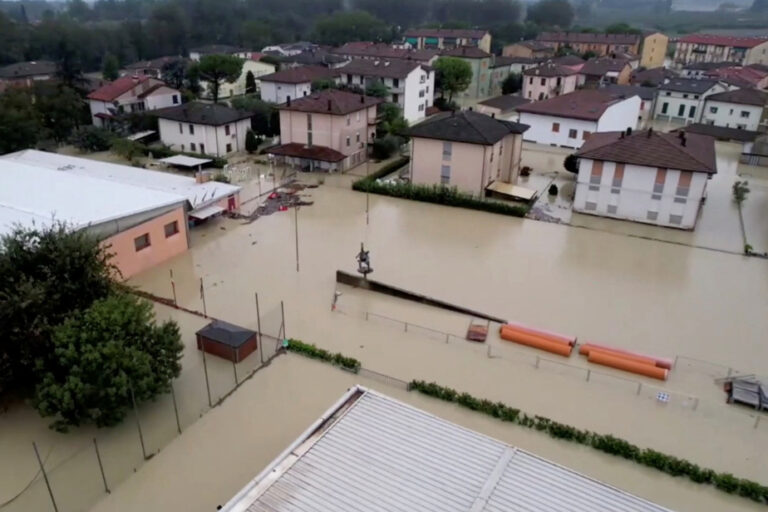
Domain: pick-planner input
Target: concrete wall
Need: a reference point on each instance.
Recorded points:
(729, 115)
(276, 92)
(130, 261)
(634, 197)
(654, 50)
(757, 55)
(537, 88)
(214, 139)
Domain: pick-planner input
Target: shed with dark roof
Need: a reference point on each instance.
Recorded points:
(466, 126)
(227, 341)
(211, 114)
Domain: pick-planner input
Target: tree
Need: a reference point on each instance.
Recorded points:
(551, 13)
(392, 121)
(344, 26)
(571, 163)
(48, 273)
(589, 54)
(19, 120)
(250, 83)
(265, 118)
(740, 191)
(455, 75)
(110, 69)
(174, 73)
(61, 110)
(512, 84)
(377, 89)
(251, 144)
(323, 84)
(217, 69)
(91, 138)
(104, 357)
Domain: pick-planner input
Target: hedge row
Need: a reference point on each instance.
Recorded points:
(308, 350)
(437, 194)
(604, 443)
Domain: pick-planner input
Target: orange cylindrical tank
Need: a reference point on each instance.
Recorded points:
(621, 363)
(561, 349)
(571, 340)
(657, 361)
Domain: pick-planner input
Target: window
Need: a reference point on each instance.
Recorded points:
(675, 219)
(347, 141)
(590, 206)
(357, 137)
(309, 138)
(618, 177)
(692, 111)
(596, 175)
(357, 116)
(685, 95)
(541, 96)
(181, 129)
(572, 134)
(395, 98)
(667, 94)
(395, 82)
(491, 156)
(559, 81)
(651, 215)
(664, 107)
(713, 110)
(171, 229)
(421, 108)
(744, 114)
(202, 148)
(530, 81)
(421, 93)
(543, 81)
(684, 183)
(501, 148)
(447, 150)
(349, 119)
(658, 185)
(226, 130)
(445, 174)
(229, 148)
(556, 127)
(612, 208)
(681, 110)
(192, 146)
(141, 242)
(191, 129)
(175, 99)
(695, 96)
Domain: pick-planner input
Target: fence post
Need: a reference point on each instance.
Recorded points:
(447, 340)
(175, 409)
(138, 423)
(675, 365)
(258, 328)
(173, 288)
(639, 387)
(282, 314)
(45, 477)
(537, 362)
(234, 369)
(589, 372)
(205, 370)
(695, 402)
(101, 466)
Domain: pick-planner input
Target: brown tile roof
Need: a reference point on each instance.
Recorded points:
(601, 66)
(506, 102)
(586, 37)
(117, 88)
(383, 50)
(300, 75)
(584, 104)
(653, 76)
(384, 68)
(718, 40)
(212, 114)
(683, 151)
(331, 101)
(466, 126)
(741, 97)
(445, 32)
(568, 60)
(549, 69)
(537, 45)
(298, 150)
(466, 52)
(25, 69)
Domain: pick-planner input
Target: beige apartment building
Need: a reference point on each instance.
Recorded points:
(651, 47)
(447, 38)
(697, 48)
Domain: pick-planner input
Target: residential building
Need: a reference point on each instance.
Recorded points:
(467, 150)
(502, 67)
(646, 176)
(702, 69)
(600, 44)
(549, 80)
(289, 49)
(237, 88)
(314, 57)
(681, 100)
(502, 107)
(647, 97)
(741, 108)
(653, 50)
(631, 59)
(213, 49)
(25, 74)
(480, 62)
(520, 64)
(605, 70)
(153, 67)
(326, 131)
(529, 49)
(411, 84)
(694, 48)
(130, 94)
(141, 216)
(403, 458)
(447, 38)
(651, 77)
(205, 128)
(571, 119)
(293, 82)
(746, 77)
(371, 50)
(570, 61)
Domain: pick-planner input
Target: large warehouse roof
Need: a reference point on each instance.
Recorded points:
(370, 452)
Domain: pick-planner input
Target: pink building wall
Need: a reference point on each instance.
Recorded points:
(532, 91)
(327, 129)
(130, 261)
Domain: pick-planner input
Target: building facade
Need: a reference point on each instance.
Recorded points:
(653, 50)
(502, 107)
(605, 70)
(649, 177)
(697, 48)
(443, 39)
(25, 74)
(480, 61)
(130, 94)
(293, 83)
(529, 49)
(681, 100)
(742, 108)
(548, 81)
(208, 129)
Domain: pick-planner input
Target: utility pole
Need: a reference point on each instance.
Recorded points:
(296, 230)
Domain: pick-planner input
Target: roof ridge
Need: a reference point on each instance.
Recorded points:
(681, 148)
(478, 130)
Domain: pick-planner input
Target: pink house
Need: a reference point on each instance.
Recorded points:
(326, 131)
(467, 150)
(130, 94)
(549, 80)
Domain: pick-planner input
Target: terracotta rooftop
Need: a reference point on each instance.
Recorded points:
(446, 32)
(117, 88)
(300, 75)
(298, 150)
(505, 102)
(719, 40)
(331, 101)
(467, 52)
(741, 97)
(550, 69)
(466, 126)
(587, 37)
(682, 151)
(583, 104)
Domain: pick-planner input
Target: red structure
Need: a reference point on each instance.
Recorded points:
(226, 340)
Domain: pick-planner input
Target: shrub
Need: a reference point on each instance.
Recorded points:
(311, 351)
(91, 138)
(571, 163)
(726, 482)
(221, 178)
(384, 147)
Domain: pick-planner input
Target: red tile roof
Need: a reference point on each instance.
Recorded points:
(467, 52)
(588, 37)
(584, 104)
(331, 101)
(297, 150)
(299, 75)
(738, 42)
(113, 90)
(682, 151)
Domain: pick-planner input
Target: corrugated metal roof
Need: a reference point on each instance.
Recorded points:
(383, 455)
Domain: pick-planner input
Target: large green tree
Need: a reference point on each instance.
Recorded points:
(345, 26)
(250, 83)
(217, 69)
(19, 121)
(61, 110)
(454, 75)
(103, 358)
(551, 13)
(111, 68)
(512, 83)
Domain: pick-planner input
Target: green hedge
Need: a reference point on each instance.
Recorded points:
(308, 350)
(436, 194)
(604, 443)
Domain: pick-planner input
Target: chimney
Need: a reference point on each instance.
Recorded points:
(683, 140)
(493, 115)
(650, 132)
(329, 105)
(681, 134)
(621, 136)
(629, 130)
(288, 101)
(386, 63)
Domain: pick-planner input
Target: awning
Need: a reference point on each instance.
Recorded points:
(206, 212)
(140, 135)
(185, 161)
(514, 191)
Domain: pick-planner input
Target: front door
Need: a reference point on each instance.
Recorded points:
(231, 203)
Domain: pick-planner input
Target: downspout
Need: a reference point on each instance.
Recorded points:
(216, 135)
(482, 176)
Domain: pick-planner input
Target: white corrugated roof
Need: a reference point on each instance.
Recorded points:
(373, 453)
(198, 194)
(31, 195)
(185, 161)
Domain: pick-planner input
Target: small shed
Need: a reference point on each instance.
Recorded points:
(226, 340)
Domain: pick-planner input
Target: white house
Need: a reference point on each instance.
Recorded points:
(571, 119)
(652, 177)
(647, 99)
(411, 84)
(237, 88)
(742, 108)
(208, 129)
(293, 83)
(130, 94)
(681, 100)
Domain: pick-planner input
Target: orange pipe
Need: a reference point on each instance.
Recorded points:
(620, 363)
(638, 359)
(657, 361)
(571, 340)
(561, 349)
